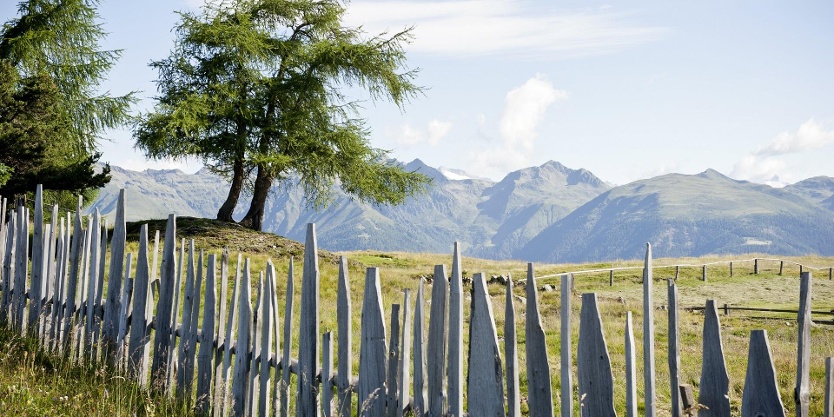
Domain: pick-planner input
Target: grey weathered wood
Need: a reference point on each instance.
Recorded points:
(138, 341)
(704, 273)
(193, 327)
(287, 344)
(95, 255)
(511, 353)
(673, 353)
(173, 359)
(539, 396)
(631, 368)
(124, 311)
(437, 342)
(761, 391)
(162, 321)
(240, 384)
(266, 341)
(59, 285)
(687, 398)
(404, 380)
(36, 280)
(219, 382)
(185, 349)
(565, 357)
(154, 282)
(714, 390)
(343, 316)
(596, 382)
(255, 351)
(829, 388)
(21, 270)
(204, 365)
(308, 328)
(485, 390)
(801, 269)
(372, 350)
(421, 402)
(114, 285)
(755, 265)
(731, 268)
(225, 400)
(9, 254)
(454, 388)
(98, 301)
(648, 336)
(781, 266)
(391, 386)
(677, 272)
(611, 278)
(802, 392)
(276, 337)
(326, 374)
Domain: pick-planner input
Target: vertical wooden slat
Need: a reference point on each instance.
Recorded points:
(74, 261)
(566, 332)
(511, 353)
(57, 281)
(185, 348)
(421, 403)
(437, 341)
(485, 390)
(173, 359)
(391, 387)
(755, 265)
(8, 268)
(596, 382)
(162, 337)
(124, 311)
(255, 350)
(326, 374)
(114, 285)
(287, 342)
(21, 268)
(405, 358)
(631, 368)
(95, 255)
(648, 336)
(153, 278)
(138, 339)
(36, 280)
(455, 367)
(99, 302)
(84, 282)
(226, 399)
(714, 390)
(222, 342)
(673, 354)
(204, 358)
(308, 352)
(761, 391)
(276, 336)
(343, 317)
(266, 340)
(829, 388)
(372, 350)
(704, 273)
(539, 396)
(240, 383)
(191, 359)
(731, 268)
(802, 396)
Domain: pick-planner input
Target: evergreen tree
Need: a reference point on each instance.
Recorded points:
(254, 88)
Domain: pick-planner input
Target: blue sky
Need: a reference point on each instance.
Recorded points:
(627, 91)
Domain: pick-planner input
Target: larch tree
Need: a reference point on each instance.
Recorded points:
(255, 89)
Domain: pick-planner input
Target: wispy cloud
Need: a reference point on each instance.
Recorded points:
(810, 135)
(756, 168)
(506, 27)
(434, 132)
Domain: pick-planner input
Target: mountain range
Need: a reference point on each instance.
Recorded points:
(546, 213)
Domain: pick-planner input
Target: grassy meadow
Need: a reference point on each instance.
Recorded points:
(31, 380)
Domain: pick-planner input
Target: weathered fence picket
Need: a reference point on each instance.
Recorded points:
(761, 393)
(485, 380)
(511, 354)
(802, 396)
(372, 350)
(630, 368)
(437, 341)
(420, 403)
(391, 378)
(714, 390)
(308, 352)
(404, 377)
(343, 315)
(539, 397)
(596, 380)
(566, 374)
(673, 353)
(648, 336)
(454, 388)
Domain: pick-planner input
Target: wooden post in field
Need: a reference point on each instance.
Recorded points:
(391, 388)
(801, 270)
(218, 397)
(829, 387)
(596, 381)
(611, 278)
(511, 353)
(287, 338)
(674, 348)
(485, 389)
(830, 273)
(802, 393)
(114, 285)
(761, 391)
(539, 396)
(92, 288)
(204, 357)
(648, 336)
(781, 266)
(21, 269)
(9, 242)
(677, 272)
(139, 334)
(631, 369)
(186, 350)
(756, 266)
(240, 384)
(36, 281)
(566, 363)
(731, 268)
(404, 379)
(704, 273)
(372, 350)
(267, 327)
(455, 368)
(308, 351)
(343, 316)
(437, 341)
(421, 402)
(326, 374)
(714, 390)
(162, 338)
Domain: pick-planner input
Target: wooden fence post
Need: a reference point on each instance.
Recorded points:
(8, 267)
(204, 357)
(756, 266)
(802, 393)
(731, 268)
(455, 365)
(405, 357)
(704, 273)
(287, 343)
(219, 382)
(343, 316)
(326, 374)
(240, 383)
(372, 350)
(714, 390)
(611, 278)
(829, 387)
(92, 306)
(36, 280)
(801, 270)
(139, 334)
(224, 400)
(677, 272)
(391, 387)
(162, 338)
(631, 369)
(596, 381)
(485, 389)
(114, 285)
(566, 363)
(308, 352)
(674, 348)
(511, 353)
(186, 350)
(21, 269)
(539, 396)
(761, 391)
(421, 402)
(267, 328)
(781, 266)
(437, 341)
(648, 336)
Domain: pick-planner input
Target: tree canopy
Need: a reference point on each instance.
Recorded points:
(51, 112)
(255, 88)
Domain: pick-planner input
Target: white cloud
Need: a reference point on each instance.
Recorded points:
(434, 132)
(810, 135)
(512, 27)
(759, 169)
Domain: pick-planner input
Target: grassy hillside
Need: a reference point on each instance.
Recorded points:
(404, 270)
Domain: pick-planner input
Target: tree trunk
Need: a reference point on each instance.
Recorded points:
(255, 217)
(228, 207)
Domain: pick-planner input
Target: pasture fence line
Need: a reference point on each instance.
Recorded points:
(238, 360)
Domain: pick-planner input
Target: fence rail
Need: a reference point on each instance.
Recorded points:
(238, 360)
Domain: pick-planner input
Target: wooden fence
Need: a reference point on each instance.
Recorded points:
(238, 362)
